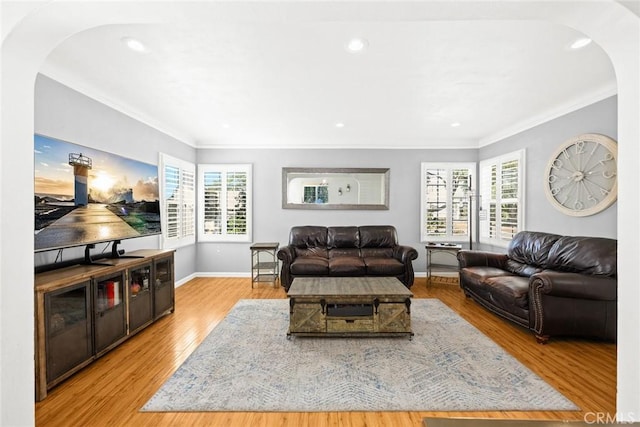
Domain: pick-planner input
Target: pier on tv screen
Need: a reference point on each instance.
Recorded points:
(86, 196)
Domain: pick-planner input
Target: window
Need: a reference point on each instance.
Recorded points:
(445, 201)
(177, 201)
(501, 192)
(224, 206)
(316, 193)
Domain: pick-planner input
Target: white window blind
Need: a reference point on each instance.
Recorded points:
(501, 190)
(225, 203)
(445, 203)
(178, 204)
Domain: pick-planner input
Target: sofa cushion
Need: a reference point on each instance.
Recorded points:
(378, 236)
(308, 236)
(376, 252)
(531, 247)
(509, 290)
(347, 266)
(312, 252)
(585, 255)
(383, 266)
(343, 237)
(340, 252)
(480, 273)
(310, 266)
(521, 269)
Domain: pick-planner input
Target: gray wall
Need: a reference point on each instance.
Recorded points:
(540, 143)
(271, 223)
(65, 114)
(68, 115)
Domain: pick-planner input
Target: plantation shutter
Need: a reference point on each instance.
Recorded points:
(177, 179)
(225, 206)
(509, 199)
(237, 203)
(436, 204)
(501, 189)
(213, 206)
(172, 204)
(445, 201)
(188, 180)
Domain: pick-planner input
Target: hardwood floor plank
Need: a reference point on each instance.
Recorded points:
(111, 391)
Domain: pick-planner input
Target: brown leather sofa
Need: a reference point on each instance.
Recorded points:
(370, 250)
(553, 285)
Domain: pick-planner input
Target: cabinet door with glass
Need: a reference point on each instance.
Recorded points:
(69, 341)
(110, 323)
(140, 299)
(163, 288)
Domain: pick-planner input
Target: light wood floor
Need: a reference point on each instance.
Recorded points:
(110, 391)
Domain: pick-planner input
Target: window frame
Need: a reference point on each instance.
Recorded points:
(449, 167)
(186, 204)
(225, 169)
(486, 196)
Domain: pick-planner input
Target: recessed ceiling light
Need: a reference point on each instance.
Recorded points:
(455, 124)
(226, 125)
(339, 125)
(580, 43)
(134, 44)
(356, 45)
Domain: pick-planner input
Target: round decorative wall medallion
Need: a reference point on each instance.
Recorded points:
(582, 175)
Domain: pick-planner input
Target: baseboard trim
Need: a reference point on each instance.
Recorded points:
(221, 274)
(447, 276)
(185, 280)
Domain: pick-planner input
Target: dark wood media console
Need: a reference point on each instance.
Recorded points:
(83, 311)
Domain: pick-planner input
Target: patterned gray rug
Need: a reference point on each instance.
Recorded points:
(247, 364)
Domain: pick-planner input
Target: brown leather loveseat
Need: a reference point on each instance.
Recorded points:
(370, 250)
(553, 285)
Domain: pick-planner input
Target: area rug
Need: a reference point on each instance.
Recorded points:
(247, 364)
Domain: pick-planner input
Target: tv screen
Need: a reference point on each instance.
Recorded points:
(86, 196)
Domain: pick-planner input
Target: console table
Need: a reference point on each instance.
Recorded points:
(447, 249)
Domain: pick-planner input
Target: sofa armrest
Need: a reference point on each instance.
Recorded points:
(574, 285)
(404, 254)
(287, 254)
(572, 304)
(470, 258)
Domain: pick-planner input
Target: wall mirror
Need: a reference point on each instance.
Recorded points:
(335, 188)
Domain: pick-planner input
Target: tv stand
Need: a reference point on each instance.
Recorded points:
(119, 253)
(81, 312)
(87, 256)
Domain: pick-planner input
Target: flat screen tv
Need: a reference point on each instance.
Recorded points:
(85, 196)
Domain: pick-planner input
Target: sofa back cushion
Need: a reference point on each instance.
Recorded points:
(521, 269)
(531, 248)
(344, 252)
(343, 237)
(309, 240)
(378, 236)
(587, 255)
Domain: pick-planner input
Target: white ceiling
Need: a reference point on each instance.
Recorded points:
(278, 83)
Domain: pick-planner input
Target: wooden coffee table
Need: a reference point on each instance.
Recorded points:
(349, 306)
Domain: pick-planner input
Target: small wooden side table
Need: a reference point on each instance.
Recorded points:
(264, 263)
(450, 249)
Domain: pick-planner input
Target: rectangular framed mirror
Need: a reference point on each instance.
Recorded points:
(335, 188)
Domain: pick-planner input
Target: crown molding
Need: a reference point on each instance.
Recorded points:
(96, 94)
(575, 104)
